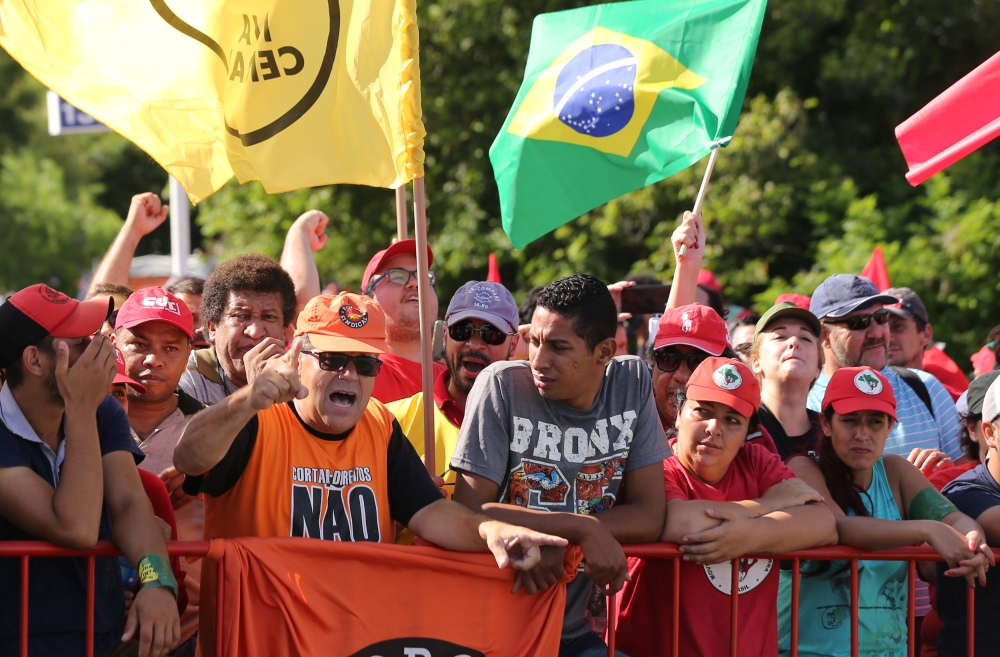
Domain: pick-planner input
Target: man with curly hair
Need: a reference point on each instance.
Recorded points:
(247, 304)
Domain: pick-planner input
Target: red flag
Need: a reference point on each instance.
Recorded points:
(960, 120)
(494, 273)
(876, 271)
(946, 371)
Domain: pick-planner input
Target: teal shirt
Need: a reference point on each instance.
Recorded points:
(825, 597)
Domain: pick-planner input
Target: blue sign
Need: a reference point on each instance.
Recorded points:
(64, 119)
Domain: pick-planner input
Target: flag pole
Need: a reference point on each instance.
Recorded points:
(426, 320)
(401, 218)
(716, 147)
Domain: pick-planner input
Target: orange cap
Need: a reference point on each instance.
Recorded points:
(346, 322)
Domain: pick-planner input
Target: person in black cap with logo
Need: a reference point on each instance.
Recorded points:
(68, 476)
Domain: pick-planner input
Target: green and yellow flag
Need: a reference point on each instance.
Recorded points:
(294, 93)
(616, 97)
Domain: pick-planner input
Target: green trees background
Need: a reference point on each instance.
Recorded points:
(812, 181)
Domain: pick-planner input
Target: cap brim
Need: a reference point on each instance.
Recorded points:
(121, 378)
(859, 304)
(404, 247)
(901, 312)
(858, 404)
(704, 393)
(484, 315)
(795, 312)
(147, 320)
(345, 345)
(86, 319)
(706, 346)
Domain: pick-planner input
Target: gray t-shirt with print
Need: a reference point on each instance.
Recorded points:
(547, 456)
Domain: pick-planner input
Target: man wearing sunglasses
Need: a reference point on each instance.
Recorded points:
(391, 279)
(482, 322)
(304, 450)
(856, 333)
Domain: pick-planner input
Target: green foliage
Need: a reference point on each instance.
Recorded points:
(812, 181)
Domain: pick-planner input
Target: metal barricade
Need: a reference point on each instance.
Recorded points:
(911, 555)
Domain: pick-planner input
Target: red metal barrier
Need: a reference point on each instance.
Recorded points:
(911, 555)
(25, 550)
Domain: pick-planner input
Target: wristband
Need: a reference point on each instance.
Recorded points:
(154, 571)
(929, 504)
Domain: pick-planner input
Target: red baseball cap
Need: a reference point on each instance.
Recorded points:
(853, 389)
(708, 279)
(693, 325)
(122, 377)
(38, 311)
(346, 322)
(402, 247)
(154, 304)
(727, 381)
(800, 300)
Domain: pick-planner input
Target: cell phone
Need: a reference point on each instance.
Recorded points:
(645, 299)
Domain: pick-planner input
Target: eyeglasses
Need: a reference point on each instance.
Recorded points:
(398, 277)
(332, 361)
(491, 335)
(861, 322)
(670, 361)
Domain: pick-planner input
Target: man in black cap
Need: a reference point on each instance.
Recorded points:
(68, 476)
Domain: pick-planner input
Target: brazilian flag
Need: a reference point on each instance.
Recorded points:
(616, 97)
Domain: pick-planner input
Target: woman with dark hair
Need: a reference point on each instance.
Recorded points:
(880, 502)
(726, 497)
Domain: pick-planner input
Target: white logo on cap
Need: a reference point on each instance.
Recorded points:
(868, 382)
(751, 573)
(163, 303)
(484, 296)
(686, 323)
(727, 377)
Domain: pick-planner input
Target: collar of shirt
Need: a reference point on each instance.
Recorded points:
(449, 407)
(11, 415)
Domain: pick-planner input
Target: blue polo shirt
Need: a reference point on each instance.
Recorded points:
(57, 599)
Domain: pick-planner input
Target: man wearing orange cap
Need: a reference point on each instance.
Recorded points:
(305, 450)
(68, 476)
(391, 279)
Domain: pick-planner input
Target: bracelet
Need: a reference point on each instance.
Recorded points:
(155, 571)
(929, 504)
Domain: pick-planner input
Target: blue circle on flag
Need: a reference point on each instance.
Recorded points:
(594, 92)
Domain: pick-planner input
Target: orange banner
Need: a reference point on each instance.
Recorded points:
(291, 596)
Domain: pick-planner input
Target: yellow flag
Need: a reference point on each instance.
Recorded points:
(294, 93)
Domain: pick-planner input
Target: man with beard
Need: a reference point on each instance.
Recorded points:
(391, 279)
(153, 331)
(247, 304)
(482, 329)
(855, 334)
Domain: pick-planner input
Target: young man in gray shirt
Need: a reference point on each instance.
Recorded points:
(550, 443)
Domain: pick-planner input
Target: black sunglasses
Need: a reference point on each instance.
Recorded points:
(861, 322)
(669, 361)
(332, 361)
(491, 335)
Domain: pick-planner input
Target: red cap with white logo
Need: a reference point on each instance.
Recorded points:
(154, 304)
(854, 389)
(693, 325)
(727, 381)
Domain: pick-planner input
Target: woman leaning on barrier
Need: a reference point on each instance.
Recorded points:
(880, 502)
(726, 498)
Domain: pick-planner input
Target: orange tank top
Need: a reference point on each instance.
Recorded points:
(298, 484)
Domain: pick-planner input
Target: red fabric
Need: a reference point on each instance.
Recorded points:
(402, 247)
(494, 271)
(449, 407)
(983, 360)
(853, 389)
(693, 325)
(946, 371)
(876, 271)
(800, 300)
(645, 617)
(399, 378)
(708, 279)
(942, 478)
(154, 304)
(963, 118)
(158, 496)
(287, 596)
(727, 381)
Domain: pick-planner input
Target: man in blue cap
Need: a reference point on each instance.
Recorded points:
(482, 321)
(856, 333)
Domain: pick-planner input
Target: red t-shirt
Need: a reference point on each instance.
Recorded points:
(645, 617)
(399, 378)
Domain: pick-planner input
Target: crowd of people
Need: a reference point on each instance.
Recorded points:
(254, 404)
